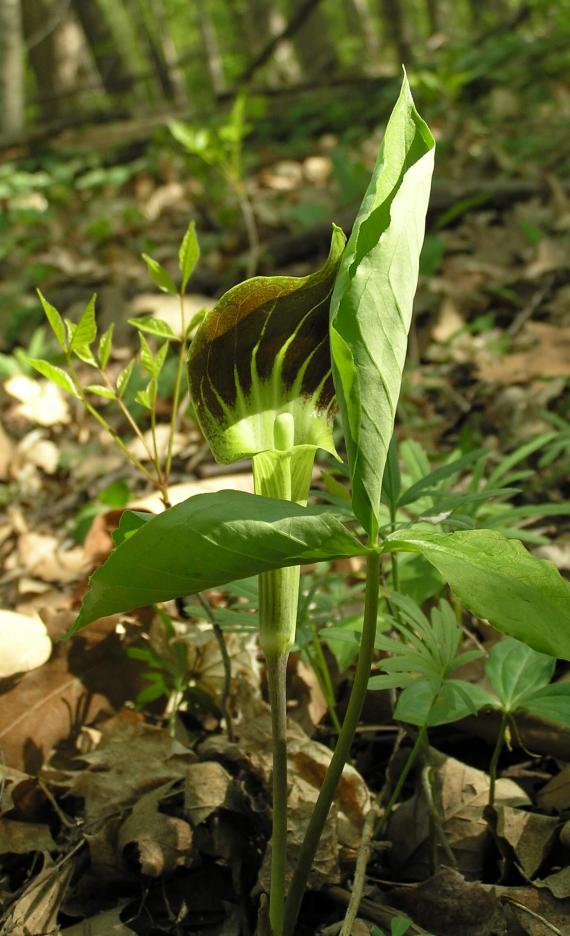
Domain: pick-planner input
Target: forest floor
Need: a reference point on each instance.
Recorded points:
(124, 813)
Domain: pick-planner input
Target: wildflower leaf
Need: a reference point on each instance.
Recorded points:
(85, 332)
(188, 255)
(498, 580)
(208, 540)
(159, 275)
(261, 351)
(154, 326)
(55, 320)
(53, 373)
(371, 307)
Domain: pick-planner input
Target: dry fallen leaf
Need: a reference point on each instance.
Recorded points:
(41, 401)
(22, 837)
(530, 835)
(107, 923)
(41, 555)
(24, 643)
(86, 678)
(35, 911)
(555, 795)
(546, 353)
(36, 450)
(460, 795)
(143, 450)
(131, 759)
(447, 904)
(307, 764)
(180, 492)
(153, 842)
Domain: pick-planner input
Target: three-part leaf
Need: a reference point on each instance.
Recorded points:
(371, 306)
(498, 580)
(208, 540)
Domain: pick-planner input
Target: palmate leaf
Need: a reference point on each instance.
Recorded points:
(207, 541)
(498, 580)
(371, 306)
(263, 350)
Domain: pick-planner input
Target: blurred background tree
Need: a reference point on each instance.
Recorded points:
(66, 60)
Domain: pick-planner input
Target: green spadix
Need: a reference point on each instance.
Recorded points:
(263, 352)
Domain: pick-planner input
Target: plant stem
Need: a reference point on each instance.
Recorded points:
(276, 680)
(227, 663)
(411, 759)
(341, 752)
(495, 758)
(105, 425)
(250, 223)
(177, 384)
(362, 860)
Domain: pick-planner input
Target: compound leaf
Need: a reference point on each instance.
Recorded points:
(207, 541)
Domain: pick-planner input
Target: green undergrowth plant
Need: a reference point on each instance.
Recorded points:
(268, 367)
(79, 343)
(222, 148)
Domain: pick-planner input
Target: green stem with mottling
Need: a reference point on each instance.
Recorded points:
(278, 603)
(341, 752)
(495, 757)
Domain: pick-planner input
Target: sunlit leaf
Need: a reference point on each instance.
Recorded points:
(105, 345)
(209, 540)
(159, 275)
(100, 390)
(55, 320)
(188, 254)
(371, 306)
(53, 373)
(498, 580)
(85, 332)
(154, 326)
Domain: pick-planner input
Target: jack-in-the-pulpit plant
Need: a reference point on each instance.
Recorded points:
(265, 367)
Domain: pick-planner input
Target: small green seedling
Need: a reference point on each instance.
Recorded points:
(399, 926)
(263, 368)
(520, 680)
(222, 148)
(80, 341)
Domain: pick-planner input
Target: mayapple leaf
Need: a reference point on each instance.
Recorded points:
(207, 541)
(371, 306)
(263, 350)
(498, 580)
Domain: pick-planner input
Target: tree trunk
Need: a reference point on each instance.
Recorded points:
(11, 68)
(114, 73)
(312, 41)
(433, 16)
(395, 26)
(359, 21)
(211, 48)
(169, 52)
(148, 40)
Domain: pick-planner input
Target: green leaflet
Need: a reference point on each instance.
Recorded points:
(206, 541)
(261, 351)
(498, 580)
(371, 306)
